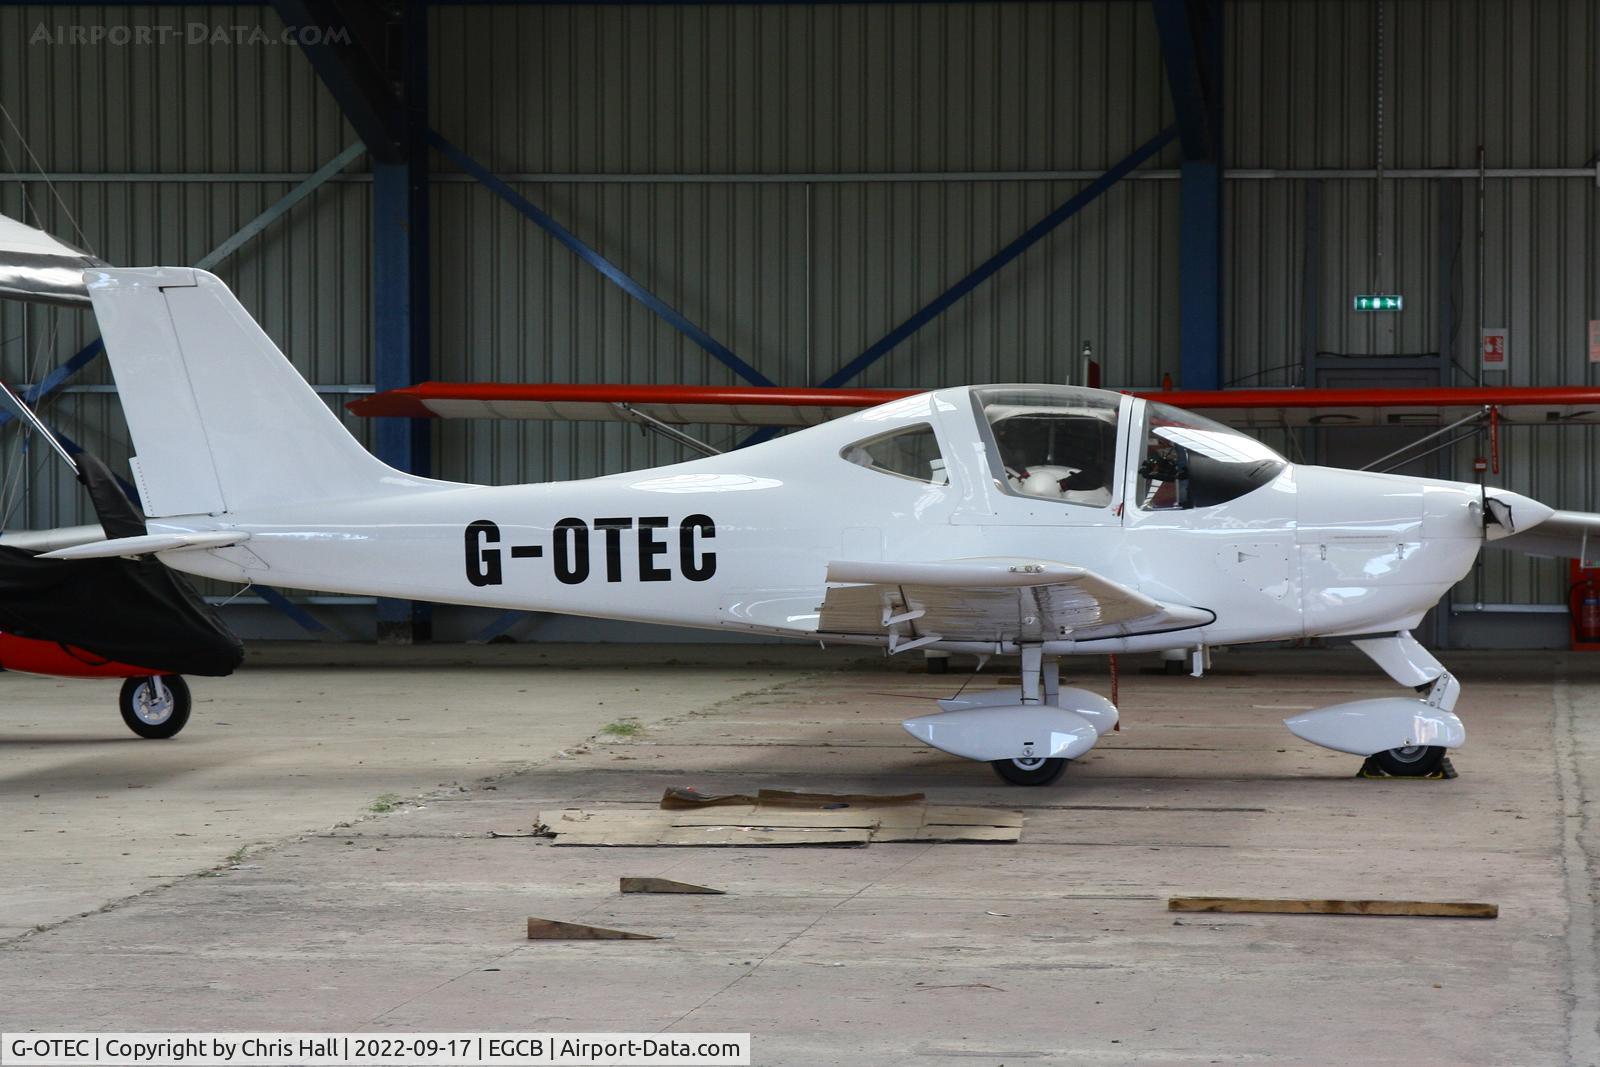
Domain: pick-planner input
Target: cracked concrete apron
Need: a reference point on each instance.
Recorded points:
(1056, 950)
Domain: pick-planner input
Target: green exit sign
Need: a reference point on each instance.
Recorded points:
(1379, 302)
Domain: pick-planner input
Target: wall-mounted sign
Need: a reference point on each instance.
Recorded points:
(1594, 340)
(1495, 347)
(1378, 302)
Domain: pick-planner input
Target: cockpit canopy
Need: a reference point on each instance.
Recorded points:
(1052, 442)
(1061, 443)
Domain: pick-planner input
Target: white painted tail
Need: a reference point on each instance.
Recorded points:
(221, 420)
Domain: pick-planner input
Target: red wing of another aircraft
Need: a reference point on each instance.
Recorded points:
(763, 406)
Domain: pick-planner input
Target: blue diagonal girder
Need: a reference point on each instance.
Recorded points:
(719, 351)
(989, 267)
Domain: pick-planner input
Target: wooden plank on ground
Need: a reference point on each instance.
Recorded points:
(1297, 906)
(789, 798)
(782, 817)
(556, 930)
(999, 835)
(950, 815)
(723, 836)
(742, 824)
(664, 885)
(767, 837)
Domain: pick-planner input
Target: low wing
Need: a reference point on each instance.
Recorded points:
(758, 406)
(989, 600)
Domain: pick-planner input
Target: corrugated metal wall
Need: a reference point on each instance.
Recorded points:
(795, 179)
(1518, 77)
(796, 276)
(208, 123)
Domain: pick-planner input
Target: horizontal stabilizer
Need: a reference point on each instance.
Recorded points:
(50, 540)
(148, 543)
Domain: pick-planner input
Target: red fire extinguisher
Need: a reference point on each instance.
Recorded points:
(1584, 603)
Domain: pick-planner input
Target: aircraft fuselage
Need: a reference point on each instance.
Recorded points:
(743, 540)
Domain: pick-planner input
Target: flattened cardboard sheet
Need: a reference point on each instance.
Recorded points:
(775, 818)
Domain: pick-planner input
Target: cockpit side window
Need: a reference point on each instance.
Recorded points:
(1053, 443)
(912, 452)
(1192, 462)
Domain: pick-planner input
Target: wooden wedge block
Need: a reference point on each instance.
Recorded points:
(664, 885)
(556, 930)
(1423, 908)
(689, 797)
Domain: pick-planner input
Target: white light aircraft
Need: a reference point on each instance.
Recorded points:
(1029, 520)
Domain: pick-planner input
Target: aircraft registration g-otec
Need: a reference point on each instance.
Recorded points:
(1030, 520)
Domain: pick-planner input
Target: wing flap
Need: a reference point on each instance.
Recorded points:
(989, 600)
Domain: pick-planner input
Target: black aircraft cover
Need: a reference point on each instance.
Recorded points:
(134, 611)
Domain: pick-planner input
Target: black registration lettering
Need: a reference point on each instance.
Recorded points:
(652, 545)
(483, 564)
(613, 529)
(696, 568)
(571, 551)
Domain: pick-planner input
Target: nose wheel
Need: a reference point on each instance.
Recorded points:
(1029, 771)
(155, 708)
(1412, 761)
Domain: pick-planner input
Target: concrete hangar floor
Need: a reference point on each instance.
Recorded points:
(314, 853)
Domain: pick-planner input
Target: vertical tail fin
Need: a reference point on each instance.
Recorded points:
(221, 420)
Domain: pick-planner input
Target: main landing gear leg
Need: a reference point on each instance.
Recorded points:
(1028, 732)
(1405, 738)
(1040, 680)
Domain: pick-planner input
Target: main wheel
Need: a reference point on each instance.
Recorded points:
(151, 715)
(1029, 771)
(1412, 761)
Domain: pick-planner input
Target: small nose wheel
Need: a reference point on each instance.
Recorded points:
(1029, 771)
(155, 708)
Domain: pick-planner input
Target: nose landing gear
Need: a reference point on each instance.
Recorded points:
(1403, 737)
(157, 707)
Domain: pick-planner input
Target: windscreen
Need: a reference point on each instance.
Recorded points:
(1192, 462)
